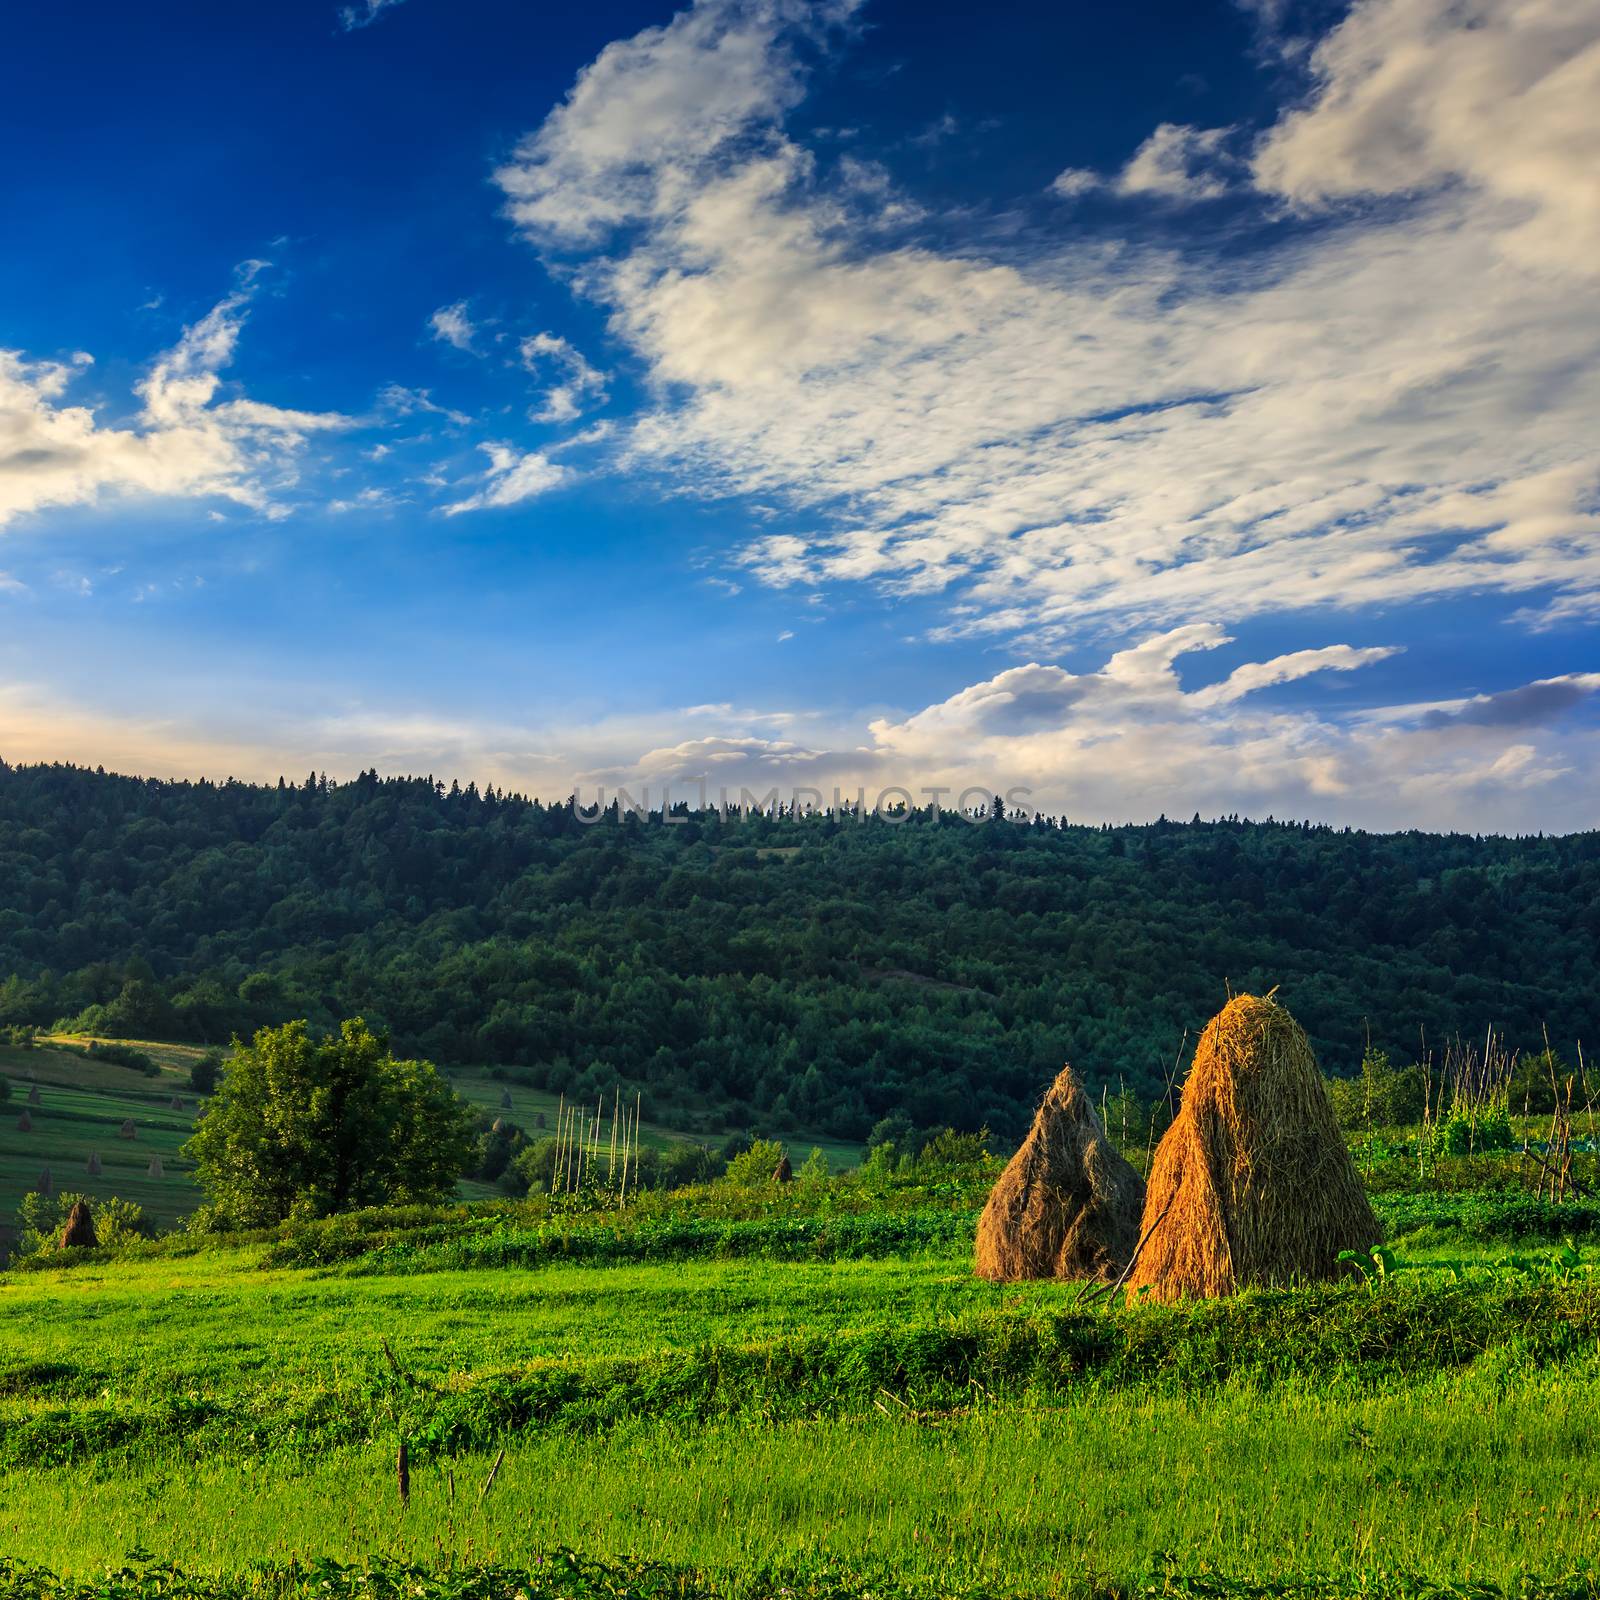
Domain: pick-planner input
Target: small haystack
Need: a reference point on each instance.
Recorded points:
(79, 1232)
(127, 1130)
(34, 1098)
(784, 1171)
(1067, 1204)
(156, 1170)
(24, 1123)
(506, 1102)
(46, 1183)
(177, 1102)
(1252, 1184)
(92, 1165)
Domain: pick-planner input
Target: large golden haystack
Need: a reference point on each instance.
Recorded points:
(1067, 1204)
(1252, 1184)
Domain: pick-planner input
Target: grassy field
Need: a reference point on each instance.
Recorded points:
(765, 1392)
(85, 1100)
(754, 1422)
(83, 1103)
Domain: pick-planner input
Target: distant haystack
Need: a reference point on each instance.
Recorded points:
(92, 1165)
(1252, 1184)
(156, 1170)
(79, 1232)
(24, 1123)
(784, 1171)
(177, 1102)
(46, 1184)
(1067, 1204)
(506, 1102)
(127, 1130)
(34, 1097)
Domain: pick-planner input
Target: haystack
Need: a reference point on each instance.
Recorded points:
(34, 1097)
(24, 1123)
(79, 1232)
(127, 1130)
(1252, 1183)
(46, 1183)
(92, 1165)
(1067, 1204)
(506, 1102)
(177, 1102)
(784, 1171)
(156, 1170)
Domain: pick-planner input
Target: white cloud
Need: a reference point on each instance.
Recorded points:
(1075, 181)
(1094, 429)
(512, 478)
(185, 441)
(579, 385)
(1176, 163)
(364, 14)
(453, 326)
(1498, 96)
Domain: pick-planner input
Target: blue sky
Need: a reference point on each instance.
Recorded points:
(1159, 408)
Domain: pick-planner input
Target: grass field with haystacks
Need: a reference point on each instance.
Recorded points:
(752, 1387)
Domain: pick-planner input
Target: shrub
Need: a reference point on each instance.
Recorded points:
(756, 1165)
(204, 1073)
(42, 1216)
(814, 1169)
(124, 1055)
(947, 1149)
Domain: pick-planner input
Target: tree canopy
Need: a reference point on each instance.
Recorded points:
(776, 974)
(301, 1126)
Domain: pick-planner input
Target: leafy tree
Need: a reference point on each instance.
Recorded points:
(307, 1127)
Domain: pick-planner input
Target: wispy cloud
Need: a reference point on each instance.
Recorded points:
(453, 326)
(189, 439)
(578, 387)
(1100, 428)
(364, 14)
(512, 478)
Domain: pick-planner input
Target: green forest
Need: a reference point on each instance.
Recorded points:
(768, 971)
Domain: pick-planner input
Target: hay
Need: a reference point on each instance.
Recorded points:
(1067, 1204)
(34, 1097)
(783, 1172)
(177, 1102)
(506, 1102)
(127, 1130)
(1252, 1183)
(79, 1232)
(46, 1184)
(24, 1123)
(92, 1165)
(156, 1170)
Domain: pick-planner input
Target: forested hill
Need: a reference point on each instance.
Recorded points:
(814, 974)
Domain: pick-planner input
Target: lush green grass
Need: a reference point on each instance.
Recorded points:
(1485, 1474)
(799, 1388)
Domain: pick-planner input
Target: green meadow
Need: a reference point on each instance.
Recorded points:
(768, 1411)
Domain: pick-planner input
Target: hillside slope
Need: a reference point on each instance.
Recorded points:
(819, 973)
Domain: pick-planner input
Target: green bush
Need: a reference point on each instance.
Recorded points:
(756, 1165)
(204, 1073)
(124, 1055)
(42, 1217)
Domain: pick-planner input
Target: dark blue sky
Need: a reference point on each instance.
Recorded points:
(886, 351)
